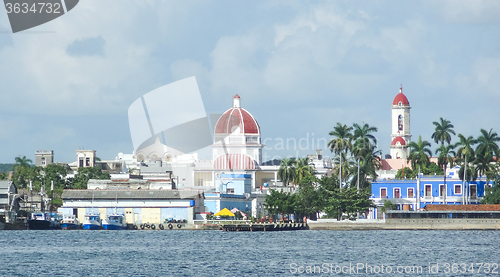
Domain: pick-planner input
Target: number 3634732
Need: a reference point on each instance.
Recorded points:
(33, 8)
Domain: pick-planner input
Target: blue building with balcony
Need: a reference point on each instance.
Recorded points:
(414, 194)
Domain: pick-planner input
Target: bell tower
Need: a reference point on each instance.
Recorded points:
(401, 135)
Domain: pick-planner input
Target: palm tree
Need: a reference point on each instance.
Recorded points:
(344, 165)
(341, 143)
(286, 172)
(368, 165)
(363, 138)
(419, 153)
(302, 169)
(484, 167)
(22, 162)
(488, 143)
(465, 149)
(445, 158)
(465, 152)
(442, 131)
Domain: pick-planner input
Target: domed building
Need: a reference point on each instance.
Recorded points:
(401, 135)
(237, 140)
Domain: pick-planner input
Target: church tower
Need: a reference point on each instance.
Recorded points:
(401, 135)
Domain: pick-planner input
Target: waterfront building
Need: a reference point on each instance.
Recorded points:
(415, 194)
(138, 205)
(8, 192)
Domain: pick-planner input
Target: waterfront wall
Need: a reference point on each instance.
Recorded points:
(413, 224)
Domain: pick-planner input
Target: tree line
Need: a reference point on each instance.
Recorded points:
(38, 178)
(345, 190)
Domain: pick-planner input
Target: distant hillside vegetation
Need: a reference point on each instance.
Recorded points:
(6, 167)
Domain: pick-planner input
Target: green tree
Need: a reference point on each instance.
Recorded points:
(341, 143)
(22, 162)
(363, 138)
(408, 173)
(492, 194)
(487, 144)
(303, 169)
(287, 171)
(484, 167)
(445, 157)
(419, 153)
(84, 174)
(443, 131)
(307, 201)
(368, 166)
(388, 206)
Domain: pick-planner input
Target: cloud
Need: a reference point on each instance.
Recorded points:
(464, 11)
(87, 47)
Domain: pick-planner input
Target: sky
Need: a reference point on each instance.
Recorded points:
(299, 66)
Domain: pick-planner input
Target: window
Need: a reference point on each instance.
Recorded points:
(397, 193)
(252, 139)
(44, 162)
(458, 189)
(230, 191)
(383, 193)
(410, 193)
(428, 191)
(473, 191)
(200, 182)
(80, 164)
(442, 190)
(87, 162)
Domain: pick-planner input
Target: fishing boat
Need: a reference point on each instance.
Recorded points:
(92, 222)
(114, 222)
(70, 222)
(43, 221)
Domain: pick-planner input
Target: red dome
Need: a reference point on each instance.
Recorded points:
(400, 98)
(237, 117)
(398, 139)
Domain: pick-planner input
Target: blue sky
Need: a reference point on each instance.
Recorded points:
(299, 66)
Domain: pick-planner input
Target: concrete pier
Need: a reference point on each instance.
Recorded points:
(264, 227)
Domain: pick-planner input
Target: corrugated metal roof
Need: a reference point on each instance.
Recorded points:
(131, 194)
(5, 184)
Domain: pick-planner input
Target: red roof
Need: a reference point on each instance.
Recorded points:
(398, 139)
(236, 96)
(237, 117)
(400, 98)
(234, 161)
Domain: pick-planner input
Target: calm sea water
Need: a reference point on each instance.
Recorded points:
(217, 253)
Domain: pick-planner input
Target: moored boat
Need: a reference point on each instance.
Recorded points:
(114, 222)
(43, 221)
(70, 222)
(92, 222)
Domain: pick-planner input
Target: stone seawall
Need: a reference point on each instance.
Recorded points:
(411, 224)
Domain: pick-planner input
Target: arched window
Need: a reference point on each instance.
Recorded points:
(44, 162)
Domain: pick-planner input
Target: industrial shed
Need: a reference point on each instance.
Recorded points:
(139, 206)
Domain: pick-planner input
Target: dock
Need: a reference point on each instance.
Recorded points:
(263, 227)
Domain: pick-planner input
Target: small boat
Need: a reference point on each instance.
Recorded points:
(43, 221)
(92, 222)
(115, 222)
(70, 222)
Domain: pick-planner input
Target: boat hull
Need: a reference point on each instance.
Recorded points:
(114, 227)
(91, 227)
(70, 226)
(43, 225)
